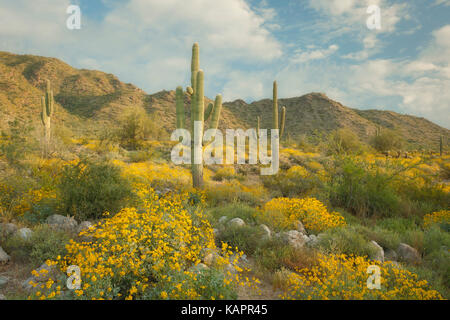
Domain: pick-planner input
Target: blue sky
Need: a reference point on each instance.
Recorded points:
(306, 45)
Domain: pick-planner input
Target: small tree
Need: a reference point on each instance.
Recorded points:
(136, 127)
(343, 141)
(387, 140)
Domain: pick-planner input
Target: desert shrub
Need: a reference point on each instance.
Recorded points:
(293, 182)
(343, 141)
(235, 210)
(43, 244)
(345, 277)
(150, 253)
(135, 127)
(346, 240)
(387, 140)
(225, 173)
(246, 238)
(310, 211)
(88, 189)
(441, 218)
(17, 141)
(363, 189)
(233, 191)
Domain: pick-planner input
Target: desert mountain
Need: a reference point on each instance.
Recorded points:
(87, 99)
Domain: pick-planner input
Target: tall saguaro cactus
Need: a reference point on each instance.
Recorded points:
(46, 114)
(198, 115)
(276, 123)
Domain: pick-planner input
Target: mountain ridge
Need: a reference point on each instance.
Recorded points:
(87, 99)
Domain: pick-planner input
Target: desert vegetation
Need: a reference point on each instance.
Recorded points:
(112, 203)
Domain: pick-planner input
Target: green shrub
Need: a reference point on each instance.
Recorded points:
(43, 244)
(246, 238)
(363, 189)
(343, 141)
(387, 140)
(296, 181)
(235, 210)
(88, 189)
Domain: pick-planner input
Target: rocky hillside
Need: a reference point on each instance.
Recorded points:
(85, 99)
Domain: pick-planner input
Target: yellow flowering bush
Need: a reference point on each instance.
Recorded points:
(152, 253)
(310, 211)
(441, 217)
(345, 277)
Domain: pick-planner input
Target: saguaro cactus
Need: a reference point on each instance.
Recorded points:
(441, 145)
(198, 115)
(276, 124)
(46, 114)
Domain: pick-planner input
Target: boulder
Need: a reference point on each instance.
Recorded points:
(4, 257)
(85, 225)
(390, 255)
(299, 226)
(60, 222)
(7, 229)
(379, 252)
(24, 233)
(294, 238)
(3, 281)
(2, 297)
(223, 219)
(313, 240)
(198, 268)
(236, 222)
(266, 231)
(408, 254)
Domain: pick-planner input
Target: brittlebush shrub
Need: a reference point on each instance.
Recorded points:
(345, 277)
(293, 182)
(151, 253)
(284, 212)
(88, 189)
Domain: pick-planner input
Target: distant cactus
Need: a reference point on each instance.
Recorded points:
(276, 124)
(46, 114)
(441, 145)
(198, 112)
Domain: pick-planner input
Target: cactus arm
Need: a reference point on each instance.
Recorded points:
(258, 125)
(275, 106)
(216, 112)
(283, 119)
(195, 65)
(181, 117)
(208, 111)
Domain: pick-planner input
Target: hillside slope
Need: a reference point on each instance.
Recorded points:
(87, 99)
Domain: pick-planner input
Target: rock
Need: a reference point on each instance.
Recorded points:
(24, 233)
(3, 281)
(4, 257)
(45, 272)
(223, 219)
(313, 240)
(230, 268)
(266, 231)
(408, 254)
(2, 297)
(7, 229)
(216, 232)
(62, 223)
(236, 222)
(299, 226)
(294, 238)
(199, 268)
(390, 255)
(85, 225)
(379, 254)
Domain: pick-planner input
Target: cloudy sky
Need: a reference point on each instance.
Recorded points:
(307, 45)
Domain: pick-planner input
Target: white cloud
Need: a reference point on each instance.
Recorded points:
(303, 57)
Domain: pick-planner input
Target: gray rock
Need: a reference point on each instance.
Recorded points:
(85, 225)
(199, 268)
(223, 219)
(7, 229)
(236, 222)
(24, 233)
(45, 272)
(313, 241)
(60, 222)
(294, 238)
(266, 231)
(379, 254)
(3, 281)
(230, 268)
(216, 232)
(4, 257)
(390, 255)
(2, 297)
(408, 254)
(299, 226)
